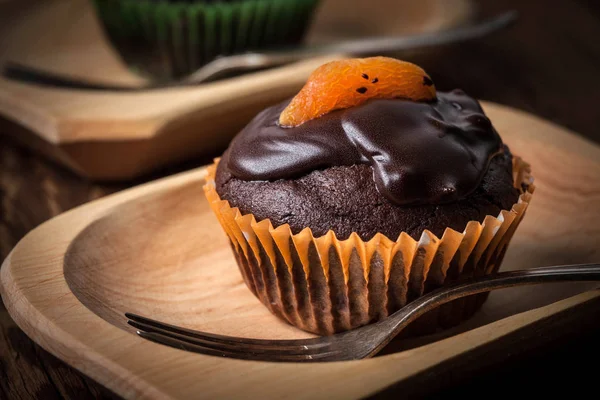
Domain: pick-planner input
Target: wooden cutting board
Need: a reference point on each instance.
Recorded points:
(114, 135)
(157, 250)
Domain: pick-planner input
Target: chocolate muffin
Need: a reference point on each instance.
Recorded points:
(327, 180)
(344, 217)
(170, 39)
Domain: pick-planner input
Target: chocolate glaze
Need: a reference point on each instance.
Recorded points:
(420, 153)
(345, 200)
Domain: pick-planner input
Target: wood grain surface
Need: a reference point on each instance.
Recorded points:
(548, 65)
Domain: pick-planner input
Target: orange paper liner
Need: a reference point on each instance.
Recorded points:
(325, 285)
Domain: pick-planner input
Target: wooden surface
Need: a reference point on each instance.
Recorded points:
(158, 250)
(115, 135)
(547, 65)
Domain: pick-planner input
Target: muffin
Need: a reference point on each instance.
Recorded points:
(172, 38)
(365, 191)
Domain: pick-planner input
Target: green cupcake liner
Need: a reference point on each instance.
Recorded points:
(170, 39)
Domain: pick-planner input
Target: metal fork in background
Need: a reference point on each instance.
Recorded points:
(358, 343)
(243, 63)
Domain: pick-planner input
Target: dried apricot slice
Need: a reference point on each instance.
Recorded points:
(348, 83)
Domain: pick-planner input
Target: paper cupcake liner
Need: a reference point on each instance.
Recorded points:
(170, 39)
(325, 285)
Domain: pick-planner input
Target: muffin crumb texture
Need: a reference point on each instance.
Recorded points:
(345, 199)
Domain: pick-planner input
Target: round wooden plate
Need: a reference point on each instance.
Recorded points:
(157, 250)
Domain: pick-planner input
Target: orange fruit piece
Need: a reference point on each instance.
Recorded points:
(348, 83)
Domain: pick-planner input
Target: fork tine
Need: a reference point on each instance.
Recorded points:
(299, 345)
(242, 354)
(241, 347)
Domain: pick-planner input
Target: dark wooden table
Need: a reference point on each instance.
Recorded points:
(548, 64)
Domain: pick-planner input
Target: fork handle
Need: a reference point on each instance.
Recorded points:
(355, 47)
(562, 273)
(372, 46)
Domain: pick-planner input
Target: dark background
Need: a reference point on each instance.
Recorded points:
(548, 64)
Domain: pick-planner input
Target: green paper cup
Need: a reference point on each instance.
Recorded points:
(170, 39)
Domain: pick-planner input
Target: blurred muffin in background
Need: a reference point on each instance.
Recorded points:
(171, 38)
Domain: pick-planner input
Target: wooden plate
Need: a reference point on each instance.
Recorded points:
(157, 250)
(115, 135)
